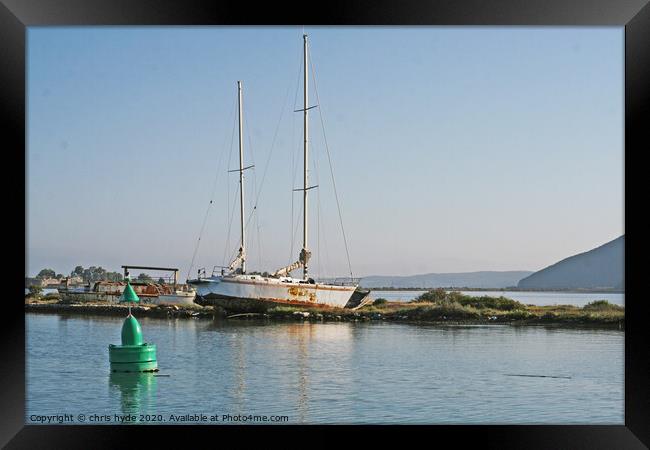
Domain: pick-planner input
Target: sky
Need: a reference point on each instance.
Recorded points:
(452, 149)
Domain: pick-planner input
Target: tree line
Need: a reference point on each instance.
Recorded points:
(91, 274)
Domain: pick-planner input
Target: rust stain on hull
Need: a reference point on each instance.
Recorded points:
(298, 295)
(319, 287)
(297, 292)
(239, 304)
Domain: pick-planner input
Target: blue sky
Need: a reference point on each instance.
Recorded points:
(453, 148)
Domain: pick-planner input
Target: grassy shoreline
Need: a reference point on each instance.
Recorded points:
(432, 307)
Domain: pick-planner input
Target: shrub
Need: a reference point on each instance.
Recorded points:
(35, 291)
(444, 310)
(455, 296)
(380, 301)
(603, 316)
(519, 315)
(549, 316)
(602, 305)
(499, 303)
(435, 295)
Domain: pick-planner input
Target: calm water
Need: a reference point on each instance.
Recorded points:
(330, 373)
(528, 298)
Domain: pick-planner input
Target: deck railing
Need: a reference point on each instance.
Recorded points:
(341, 281)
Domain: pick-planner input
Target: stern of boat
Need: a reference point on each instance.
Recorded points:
(359, 298)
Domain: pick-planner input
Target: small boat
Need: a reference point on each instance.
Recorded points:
(235, 290)
(180, 296)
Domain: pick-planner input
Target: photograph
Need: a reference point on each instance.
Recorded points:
(325, 225)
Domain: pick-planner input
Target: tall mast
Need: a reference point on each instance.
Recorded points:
(306, 153)
(242, 254)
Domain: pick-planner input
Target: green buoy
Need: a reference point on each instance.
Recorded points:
(133, 355)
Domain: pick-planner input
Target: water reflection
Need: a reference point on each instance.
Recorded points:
(302, 334)
(137, 390)
(240, 372)
(295, 358)
(62, 324)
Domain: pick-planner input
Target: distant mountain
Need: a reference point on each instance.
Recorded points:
(485, 279)
(600, 268)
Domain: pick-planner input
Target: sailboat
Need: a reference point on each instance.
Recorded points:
(234, 289)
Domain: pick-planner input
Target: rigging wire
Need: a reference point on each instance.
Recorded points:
(293, 166)
(232, 216)
(252, 150)
(318, 221)
(321, 213)
(214, 188)
(229, 215)
(254, 211)
(318, 227)
(329, 159)
(268, 160)
(266, 166)
(259, 242)
(295, 232)
(293, 161)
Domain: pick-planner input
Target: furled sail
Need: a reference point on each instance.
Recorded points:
(304, 259)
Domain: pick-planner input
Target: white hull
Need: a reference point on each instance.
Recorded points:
(179, 298)
(276, 290)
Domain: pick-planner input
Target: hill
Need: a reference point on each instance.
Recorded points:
(486, 279)
(600, 268)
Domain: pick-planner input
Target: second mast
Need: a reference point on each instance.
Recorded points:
(242, 249)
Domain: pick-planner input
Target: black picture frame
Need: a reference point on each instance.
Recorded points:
(634, 15)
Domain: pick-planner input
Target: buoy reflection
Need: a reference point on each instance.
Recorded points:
(137, 391)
